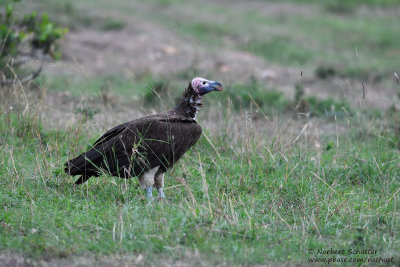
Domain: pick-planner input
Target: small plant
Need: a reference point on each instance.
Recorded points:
(314, 106)
(269, 101)
(156, 88)
(319, 107)
(112, 25)
(244, 96)
(338, 6)
(329, 146)
(25, 38)
(299, 93)
(86, 111)
(45, 33)
(325, 72)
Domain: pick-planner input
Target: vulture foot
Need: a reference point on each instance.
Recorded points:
(149, 191)
(161, 193)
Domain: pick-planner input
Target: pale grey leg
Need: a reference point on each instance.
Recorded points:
(149, 191)
(161, 193)
(146, 181)
(159, 181)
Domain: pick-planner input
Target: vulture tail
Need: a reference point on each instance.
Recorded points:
(80, 166)
(75, 166)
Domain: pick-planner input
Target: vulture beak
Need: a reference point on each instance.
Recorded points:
(217, 86)
(211, 86)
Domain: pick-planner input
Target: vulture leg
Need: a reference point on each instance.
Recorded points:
(146, 181)
(161, 193)
(149, 191)
(159, 181)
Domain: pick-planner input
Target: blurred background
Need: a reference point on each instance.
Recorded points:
(317, 58)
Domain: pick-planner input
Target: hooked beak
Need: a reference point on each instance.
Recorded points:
(211, 86)
(217, 86)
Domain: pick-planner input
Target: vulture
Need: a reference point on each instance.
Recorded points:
(146, 147)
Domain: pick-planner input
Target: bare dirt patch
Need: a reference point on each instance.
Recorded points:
(148, 48)
(144, 46)
(16, 260)
(194, 259)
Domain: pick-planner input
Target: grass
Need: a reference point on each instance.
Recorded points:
(150, 91)
(243, 199)
(355, 44)
(111, 24)
(281, 49)
(255, 96)
(339, 6)
(359, 45)
(130, 88)
(69, 15)
(255, 189)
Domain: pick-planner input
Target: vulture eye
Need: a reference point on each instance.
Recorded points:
(204, 82)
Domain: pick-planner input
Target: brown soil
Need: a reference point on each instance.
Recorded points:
(146, 47)
(16, 260)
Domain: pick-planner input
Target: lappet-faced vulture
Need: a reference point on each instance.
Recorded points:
(146, 147)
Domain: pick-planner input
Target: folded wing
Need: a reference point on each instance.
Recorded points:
(132, 148)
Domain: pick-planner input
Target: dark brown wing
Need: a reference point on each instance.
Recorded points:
(132, 148)
(118, 129)
(166, 141)
(111, 134)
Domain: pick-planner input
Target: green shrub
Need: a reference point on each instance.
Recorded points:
(156, 89)
(243, 96)
(31, 33)
(14, 30)
(281, 49)
(112, 25)
(318, 107)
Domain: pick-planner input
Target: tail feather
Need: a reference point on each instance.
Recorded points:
(75, 166)
(82, 165)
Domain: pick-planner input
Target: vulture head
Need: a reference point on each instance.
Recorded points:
(191, 100)
(202, 86)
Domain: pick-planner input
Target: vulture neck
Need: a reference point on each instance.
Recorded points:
(190, 103)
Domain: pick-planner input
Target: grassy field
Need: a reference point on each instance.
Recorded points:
(277, 177)
(248, 198)
(243, 197)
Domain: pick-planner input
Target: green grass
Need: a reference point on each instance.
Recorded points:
(349, 5)
(281, 49)
(328, 107)
(359, 44)
(111, 24)
(149, 91)
(128, 88)
(248, 201)
(254, 96)
(71, 14)
(263, 190)
(355, 45)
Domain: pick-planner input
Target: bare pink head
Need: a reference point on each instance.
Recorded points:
(203, 86)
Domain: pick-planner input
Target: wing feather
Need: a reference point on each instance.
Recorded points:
(131, 148)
